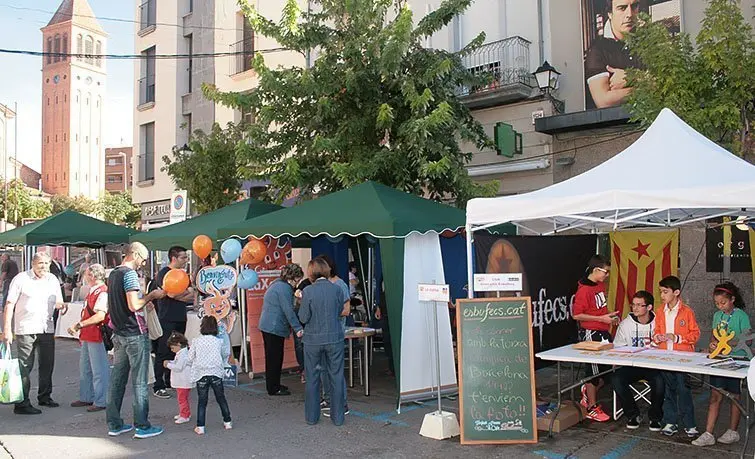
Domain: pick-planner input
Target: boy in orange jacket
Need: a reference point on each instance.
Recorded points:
(676, 329)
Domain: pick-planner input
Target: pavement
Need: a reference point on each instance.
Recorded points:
(274, 427)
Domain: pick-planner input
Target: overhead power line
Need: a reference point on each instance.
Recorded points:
(141, 56)
(110, 19)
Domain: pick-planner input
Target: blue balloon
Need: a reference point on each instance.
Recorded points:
(248, 279)
(230, 250)
(70, 271)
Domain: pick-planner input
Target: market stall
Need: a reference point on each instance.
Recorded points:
(404, 230)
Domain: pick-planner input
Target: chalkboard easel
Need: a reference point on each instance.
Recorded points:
(496, 371)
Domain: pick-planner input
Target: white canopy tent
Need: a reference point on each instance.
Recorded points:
(672, 175)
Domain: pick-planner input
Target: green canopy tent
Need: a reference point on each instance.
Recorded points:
(368, 209)
(183, 233)
(67, 228)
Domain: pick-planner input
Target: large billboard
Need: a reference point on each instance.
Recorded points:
(605, 26)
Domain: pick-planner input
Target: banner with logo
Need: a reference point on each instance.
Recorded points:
(551, 266)
(639, 260)
(268, 266)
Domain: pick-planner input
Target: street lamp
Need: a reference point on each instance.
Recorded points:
(547, 80)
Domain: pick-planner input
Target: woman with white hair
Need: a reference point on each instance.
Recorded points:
(94, 368)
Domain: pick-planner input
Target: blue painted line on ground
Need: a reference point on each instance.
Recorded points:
(247, 388)
(622, 450)
(381, 418)
(552, 455)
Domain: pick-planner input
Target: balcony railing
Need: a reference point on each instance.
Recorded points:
(147, 14)
(242, 53)
(147, 90)
(507, 62)
(146, 166)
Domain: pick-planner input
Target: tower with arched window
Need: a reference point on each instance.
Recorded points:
(73, 95)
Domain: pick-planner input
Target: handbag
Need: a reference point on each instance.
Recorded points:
(105, 332)
(153, 324)
(11, 387)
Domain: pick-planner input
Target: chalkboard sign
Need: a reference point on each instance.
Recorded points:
(497, 373)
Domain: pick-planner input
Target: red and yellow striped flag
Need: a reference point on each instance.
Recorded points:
(639, 260)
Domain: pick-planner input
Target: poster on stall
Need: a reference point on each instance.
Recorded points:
(267, 259)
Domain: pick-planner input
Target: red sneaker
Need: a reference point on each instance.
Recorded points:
(583, 402)
(596, 414)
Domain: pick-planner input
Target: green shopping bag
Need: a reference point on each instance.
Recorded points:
(11, 389)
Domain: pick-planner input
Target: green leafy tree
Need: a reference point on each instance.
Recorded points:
(118, 208)
(374, 105)
(80, 204)
(20, 203)
(711, 85)
(209, 170)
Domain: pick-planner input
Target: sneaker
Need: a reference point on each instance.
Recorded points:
(670, 429)
(79, 404)
(596, 414)
(634, 422)
(655, 426)
(729, 437)
(324, 404)
(583, 401)
(180, 420)
(228, 425)
(26, 410)
(347, 411)
(161, 393)
(692, 432)
(325, 412)
(199, 430)
(706, 439)
(124, 429)
(176, 417)
(149, 432)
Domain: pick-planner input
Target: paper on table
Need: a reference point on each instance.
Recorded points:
(630, 349)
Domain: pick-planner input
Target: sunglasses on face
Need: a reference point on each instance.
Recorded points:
(603, 270)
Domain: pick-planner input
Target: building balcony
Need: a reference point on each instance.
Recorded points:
(147, 90)
(147, 17)
(507, 62)
(242, 53)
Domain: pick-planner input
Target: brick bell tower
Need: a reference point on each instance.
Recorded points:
(73, 96)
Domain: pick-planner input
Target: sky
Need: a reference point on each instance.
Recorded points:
(21, 76)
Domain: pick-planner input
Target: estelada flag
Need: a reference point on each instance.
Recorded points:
(639, 260)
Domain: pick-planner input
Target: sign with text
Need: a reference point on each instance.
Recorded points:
(221, 277)
(433, 292)
(498, 282)
(230, 376)
(179, 205)
(497, 371)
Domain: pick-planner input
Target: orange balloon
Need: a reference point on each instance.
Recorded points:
(176, 281)
(202, 246)
(254, 252)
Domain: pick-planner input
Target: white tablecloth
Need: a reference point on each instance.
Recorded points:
(68, 319)
(192, 328)
(686, 362)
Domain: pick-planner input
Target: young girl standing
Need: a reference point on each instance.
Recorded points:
(180, 375)
(729, 318)
(208, 356)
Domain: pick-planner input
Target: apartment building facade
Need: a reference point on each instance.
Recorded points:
(561, 134)
(168, 91)
(119, 169)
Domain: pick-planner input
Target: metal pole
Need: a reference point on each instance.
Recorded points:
(470, 263)
(437, 352)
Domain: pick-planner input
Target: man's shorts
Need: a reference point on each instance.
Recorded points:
(731, 385)
(595, 369)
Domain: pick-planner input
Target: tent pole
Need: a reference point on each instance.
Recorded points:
(241, 298)
(369, 276)
(470, 265)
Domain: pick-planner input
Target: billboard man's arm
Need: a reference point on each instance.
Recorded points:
(603, 95)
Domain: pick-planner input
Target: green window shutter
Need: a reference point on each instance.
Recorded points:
(508, 142)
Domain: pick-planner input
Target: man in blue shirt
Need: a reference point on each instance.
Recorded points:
(131, 344)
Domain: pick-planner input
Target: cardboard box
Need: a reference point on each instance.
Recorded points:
(592, 346)
(568, 416)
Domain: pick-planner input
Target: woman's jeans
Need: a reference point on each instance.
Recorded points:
(324, 358)
(677, 403)
(203, 392)
(94, 373)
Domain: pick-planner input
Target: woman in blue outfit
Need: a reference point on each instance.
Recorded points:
(322, 306)
(277, 320)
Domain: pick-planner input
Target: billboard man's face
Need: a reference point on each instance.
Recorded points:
(623, 16)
